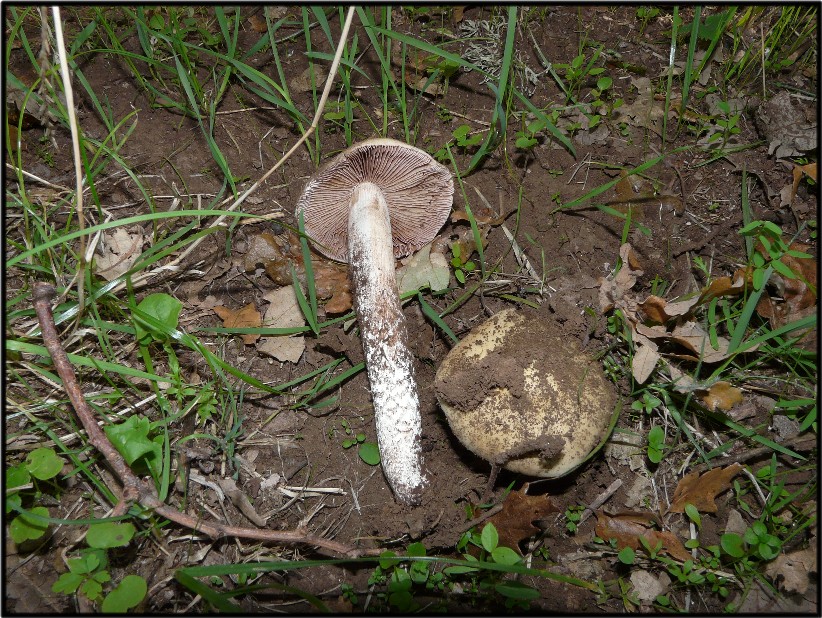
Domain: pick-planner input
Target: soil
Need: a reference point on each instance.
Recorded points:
(347, 499)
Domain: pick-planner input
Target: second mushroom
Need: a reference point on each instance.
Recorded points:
(375, 202)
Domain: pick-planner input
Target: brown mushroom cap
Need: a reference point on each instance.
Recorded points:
(419, 192)
(519, 393)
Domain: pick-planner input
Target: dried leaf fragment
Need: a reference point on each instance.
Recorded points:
(629, 528)
(702, 489)
(246, 317)
(283, 312)
(118, 252)
(513, 522)
(722, 395)
(644, 362)
(424, 269)
(794, 569)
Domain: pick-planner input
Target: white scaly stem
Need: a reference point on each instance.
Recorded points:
(382, 330)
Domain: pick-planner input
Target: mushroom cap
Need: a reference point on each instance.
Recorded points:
(419, 192)
(519, 393)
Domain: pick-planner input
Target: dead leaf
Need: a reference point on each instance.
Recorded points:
(612, 291)
(258, 24)
(659, 310)
(722, 395)
(283, 312)
(794, 570)
(278, 254)
(513, 522)
(246, 317)
(726, 286)
(702, 489)
(808, 170)
(798, 295)
(644, 362)
(118, 251)
(629, 528)
(649, 586)
(302, 82)
(691, 335)
(420, 83)
(424, 269)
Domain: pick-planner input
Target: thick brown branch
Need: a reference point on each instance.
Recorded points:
(143, 491)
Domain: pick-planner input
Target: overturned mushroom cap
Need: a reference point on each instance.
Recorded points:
(418, 190)
(519, 393)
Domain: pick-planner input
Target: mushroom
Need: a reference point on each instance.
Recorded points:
(379, 200)
(523, 396)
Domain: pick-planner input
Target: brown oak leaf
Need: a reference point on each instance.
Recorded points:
(702, 489)
(513, 522)
(629, 527)
(246, 317)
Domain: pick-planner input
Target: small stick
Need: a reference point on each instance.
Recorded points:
(600, 500)
(143, 491)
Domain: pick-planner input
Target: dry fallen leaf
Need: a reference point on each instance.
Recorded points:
(628, 528)
(721, 395)
(246, 317)
(702, 489)
(278, 254)
(794, 569)
(424, 269)
(644, 362)
(283, 312)
(513, 522)
(118, 251)
(612, 291)
(691, 335)
(808, 170)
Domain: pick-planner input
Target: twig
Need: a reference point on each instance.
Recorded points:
(600, 500)
(143, 491)
(478, 520)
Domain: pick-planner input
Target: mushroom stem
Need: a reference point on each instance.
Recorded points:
(383, 333)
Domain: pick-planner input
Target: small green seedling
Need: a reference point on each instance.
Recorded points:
(527, 138)
(573, 515)
(656, 444)
(369, 452)
(462, 266)
(88, 570)
(648, 403)
(28, 481)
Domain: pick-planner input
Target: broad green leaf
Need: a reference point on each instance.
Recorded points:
(43, 463)
(131, 441)
(131, 591)
(17, 476)
(489, 537)
(505, 555)
(110, 534)
(163, 308)
(67, 583)
(732, 544)
(416, 549)
(626, 555)
(24, 528)
(370, 453)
